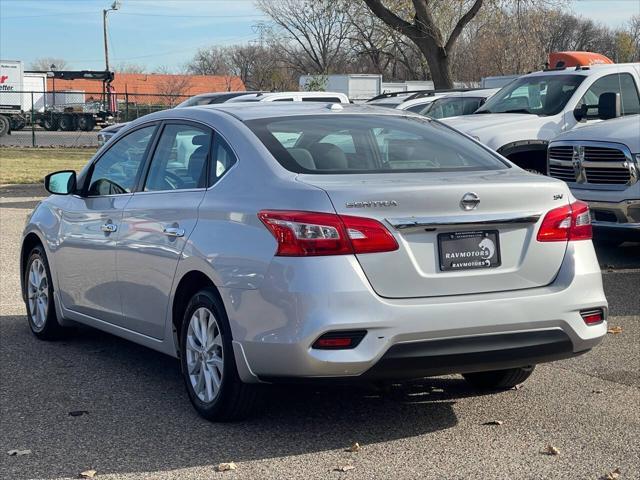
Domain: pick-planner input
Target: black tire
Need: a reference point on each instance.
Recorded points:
(86, 123)
(5, 126)
(68, 122)
(50, 329)
(51, 123)
(499, 379)
(235, 400)
(17, 123)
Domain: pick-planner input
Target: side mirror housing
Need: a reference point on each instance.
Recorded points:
(61, 183)
(609, 105)
(581, 112)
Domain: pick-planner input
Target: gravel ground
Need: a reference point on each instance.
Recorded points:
(139, 424)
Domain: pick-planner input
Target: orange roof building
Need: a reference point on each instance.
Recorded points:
(155, 84)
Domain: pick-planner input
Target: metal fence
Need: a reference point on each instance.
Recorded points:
(72, 118)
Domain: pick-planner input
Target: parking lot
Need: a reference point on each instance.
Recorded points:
(132, 419)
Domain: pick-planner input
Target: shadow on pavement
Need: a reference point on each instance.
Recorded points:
(140, 418)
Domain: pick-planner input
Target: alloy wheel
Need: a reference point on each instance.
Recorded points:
(204, 354)
(38, 293)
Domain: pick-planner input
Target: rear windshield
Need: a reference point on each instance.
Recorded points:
(370, 144)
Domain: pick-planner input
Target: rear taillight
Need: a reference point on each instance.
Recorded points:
(301, 234)
(570, 222)
(343, 340)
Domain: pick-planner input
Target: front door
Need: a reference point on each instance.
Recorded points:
(157, 223)
(90, 228)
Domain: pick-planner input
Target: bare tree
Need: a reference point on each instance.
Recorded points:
(311, 33)
(424, 31)
(44, 64)
(173, 86)
(125, 67)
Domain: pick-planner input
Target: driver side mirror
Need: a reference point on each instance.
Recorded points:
(61, 183)
(609, 105)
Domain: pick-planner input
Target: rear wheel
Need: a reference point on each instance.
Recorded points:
(86, 123)
(50, 123)
(41, 311)
(67, 122)
(5, 125)
(17, 122)
(208, 365)
(499, 379)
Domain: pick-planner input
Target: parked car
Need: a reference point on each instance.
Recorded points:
(519, 121)
(314, 242)
(203, 99)
(406, 98)
(325, 97)
(601, 164)
(453, 104)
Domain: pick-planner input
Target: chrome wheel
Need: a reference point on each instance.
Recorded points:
(204, 354)
(38, 293)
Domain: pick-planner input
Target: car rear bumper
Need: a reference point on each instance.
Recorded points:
(275, 326)
(616, 217)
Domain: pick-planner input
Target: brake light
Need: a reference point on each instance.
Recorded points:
(301, 234)
(593, 316)
(569, 222)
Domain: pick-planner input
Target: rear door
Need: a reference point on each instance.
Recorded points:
(157, 223)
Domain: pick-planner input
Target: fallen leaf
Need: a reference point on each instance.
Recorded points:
(88, 474)
(494, 422)
(517, 387)
(612, 475)
(344, 468)
(615, 330)
(17, 453)
(597, 391)
(223, 467)
(78, 413)
(353, 448)
(551, 450)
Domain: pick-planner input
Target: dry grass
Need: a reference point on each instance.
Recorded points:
(30, 165)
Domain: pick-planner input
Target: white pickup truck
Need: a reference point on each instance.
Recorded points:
(520, 120)
(601, 165)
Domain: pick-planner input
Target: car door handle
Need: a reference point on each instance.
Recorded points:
(173, 231)
(109, 227)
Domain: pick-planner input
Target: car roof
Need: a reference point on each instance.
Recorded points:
(257, 110)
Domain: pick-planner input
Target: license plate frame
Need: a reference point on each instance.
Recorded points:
(475, 252)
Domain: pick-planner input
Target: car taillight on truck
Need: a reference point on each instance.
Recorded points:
(301, 234)
(566, 223)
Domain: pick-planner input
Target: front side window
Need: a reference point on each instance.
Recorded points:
(370, 144)
(452, 107)
(618, 83)
(180, 159)
(116, 172)
(537, 95)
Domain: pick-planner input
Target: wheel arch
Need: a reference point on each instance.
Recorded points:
(30, 241)
(187, 286)
(527, 154)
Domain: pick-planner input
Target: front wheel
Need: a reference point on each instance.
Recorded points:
(208, 365)
(41, 311)
(499, 379)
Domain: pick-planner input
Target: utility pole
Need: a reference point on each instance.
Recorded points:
(114, 6)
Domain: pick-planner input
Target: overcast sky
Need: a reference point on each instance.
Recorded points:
(163, 32)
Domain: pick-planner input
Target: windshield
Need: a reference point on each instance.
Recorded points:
(538, 95)
(197, 100)
(451, 107)
(369, 144)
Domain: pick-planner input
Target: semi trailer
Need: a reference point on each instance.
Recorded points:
(25, 100)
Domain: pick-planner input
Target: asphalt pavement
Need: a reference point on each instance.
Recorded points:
(96, 402)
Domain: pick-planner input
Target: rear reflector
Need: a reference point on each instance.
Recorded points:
(569, 222)
(339, 340)
(592, 316)
(301, 234)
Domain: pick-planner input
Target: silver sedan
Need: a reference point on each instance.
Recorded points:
(277, 243)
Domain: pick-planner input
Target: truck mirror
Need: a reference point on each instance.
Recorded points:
(61, 183)
(581, 112)
(609, 105)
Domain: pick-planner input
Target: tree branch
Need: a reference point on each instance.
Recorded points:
(391, 19)
(464, 20)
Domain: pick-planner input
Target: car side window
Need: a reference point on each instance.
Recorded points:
(180, 159)
(222, 160)
(116, 172)
(619, 83)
